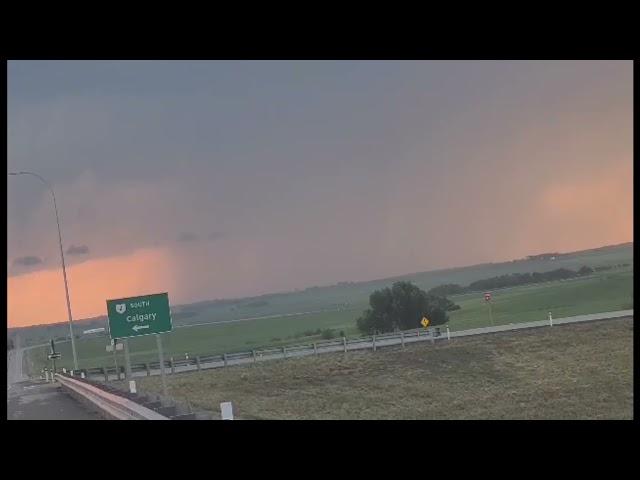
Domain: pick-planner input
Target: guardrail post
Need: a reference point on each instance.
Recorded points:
(550, 320)
(198, 362)
(226, 411)
(173, 367)
(374, 342)
(344, 344)
(448, 333)
(106, 375)
(315, 349)
(253, 353)
(418, 332)
(46, 376)
(224, 359)
(402, 338)
(148, 369)
(284, 352)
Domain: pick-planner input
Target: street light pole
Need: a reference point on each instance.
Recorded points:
(64, 270)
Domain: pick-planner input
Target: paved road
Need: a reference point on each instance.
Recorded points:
(37, 400)
(14, 366)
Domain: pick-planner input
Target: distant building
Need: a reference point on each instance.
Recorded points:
(544, 256)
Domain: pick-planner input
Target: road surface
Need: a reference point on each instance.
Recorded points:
(14, 366)
(38, 400)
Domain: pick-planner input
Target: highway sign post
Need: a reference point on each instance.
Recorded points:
(114, 344)
(127, 362)
(160, 354)
(137, 316)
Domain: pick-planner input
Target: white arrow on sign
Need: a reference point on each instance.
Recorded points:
(140, 327)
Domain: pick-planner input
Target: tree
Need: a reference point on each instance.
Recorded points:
(402, 307)
(585, 270)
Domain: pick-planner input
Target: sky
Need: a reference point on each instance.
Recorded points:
(215, 179)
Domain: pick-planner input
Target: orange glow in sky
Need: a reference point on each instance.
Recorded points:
(39, 298)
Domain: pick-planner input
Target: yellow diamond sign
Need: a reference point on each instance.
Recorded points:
(425, 322)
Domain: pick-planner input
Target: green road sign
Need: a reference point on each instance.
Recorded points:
(136, 316)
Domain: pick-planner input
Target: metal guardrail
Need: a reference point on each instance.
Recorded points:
(111, 405)
(341, 344)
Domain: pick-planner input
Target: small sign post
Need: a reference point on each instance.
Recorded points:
(52, 356)
(487, 298)
(227, 410)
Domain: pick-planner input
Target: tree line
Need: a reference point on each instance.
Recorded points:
(509, 280)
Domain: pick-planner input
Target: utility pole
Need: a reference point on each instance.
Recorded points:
(64, 270)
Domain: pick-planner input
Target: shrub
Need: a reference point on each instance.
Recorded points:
(328, 334)
(585, 270)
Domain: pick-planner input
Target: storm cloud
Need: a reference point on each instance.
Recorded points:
(27, 261)
(318, 171)
(78, 250)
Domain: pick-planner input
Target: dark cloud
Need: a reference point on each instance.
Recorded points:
(79, 250)
(187, 237)
(27, 261)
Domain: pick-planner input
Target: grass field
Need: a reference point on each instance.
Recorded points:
(594, 294)
(578, 371)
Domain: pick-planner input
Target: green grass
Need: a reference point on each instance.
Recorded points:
(598, 293)
(208, 339)
(576, 371)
